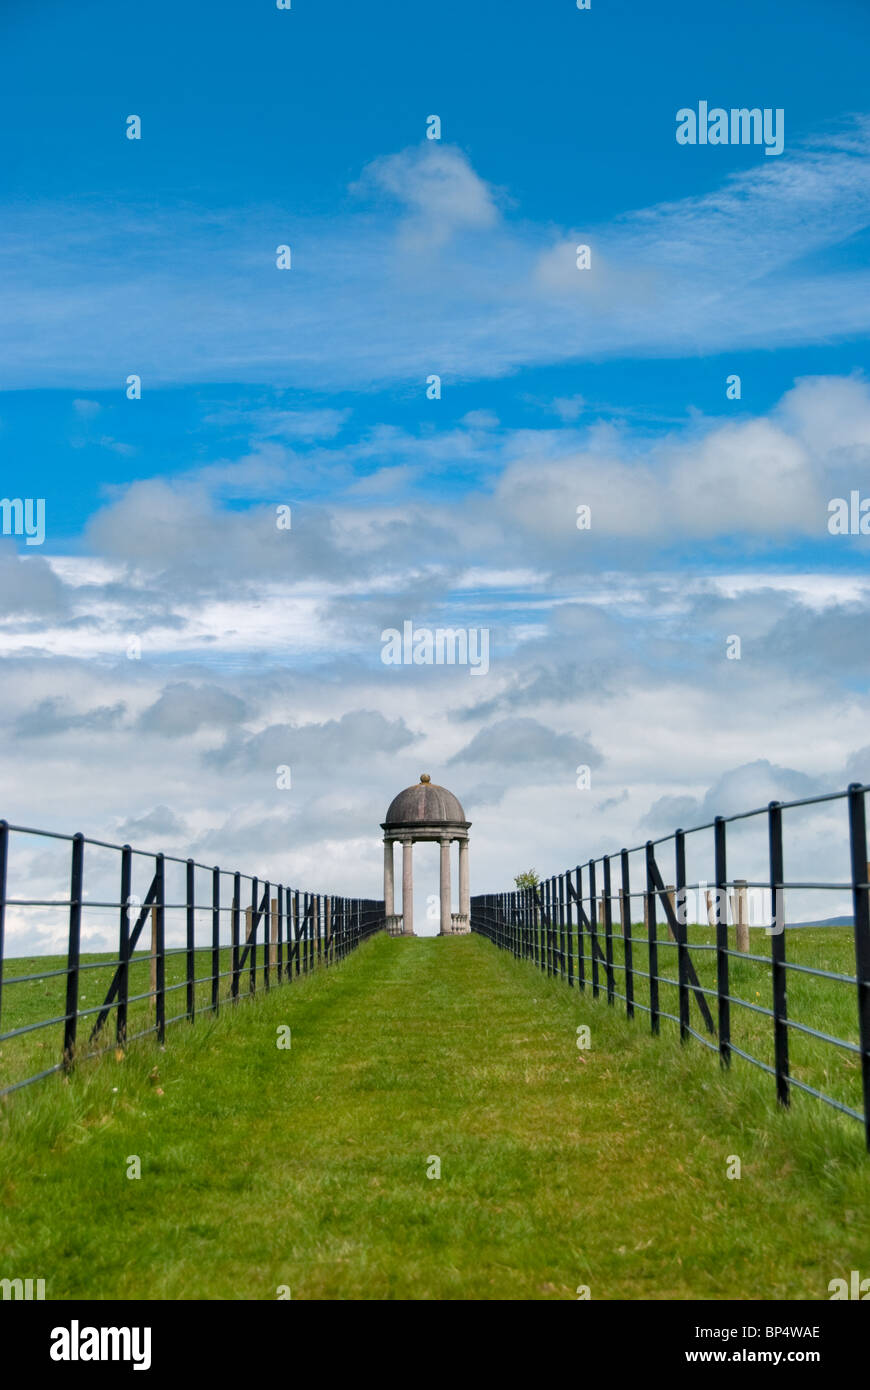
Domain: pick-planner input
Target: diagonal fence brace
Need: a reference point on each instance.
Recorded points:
(593, 933)
(109, 1000)
(679, 933)
(252, 934)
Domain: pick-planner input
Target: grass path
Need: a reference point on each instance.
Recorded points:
(308, 1168)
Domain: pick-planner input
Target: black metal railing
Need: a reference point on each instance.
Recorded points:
(565, 927)
(278, 933)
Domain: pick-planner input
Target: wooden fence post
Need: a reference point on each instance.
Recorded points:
(740, 912)
(670, 890)
(273, 934)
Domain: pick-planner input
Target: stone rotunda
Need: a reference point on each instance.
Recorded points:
(425, 812)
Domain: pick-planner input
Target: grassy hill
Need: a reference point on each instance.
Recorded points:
(307, 1167)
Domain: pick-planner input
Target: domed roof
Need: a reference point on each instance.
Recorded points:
(425, 804)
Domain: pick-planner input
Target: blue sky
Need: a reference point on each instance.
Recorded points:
(307, 387)
(256, 119)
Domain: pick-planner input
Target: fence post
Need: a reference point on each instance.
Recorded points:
(593, 934)
(777, 953)
(569, 926)
(215, 938)
(252, 981)
(741, 915)
(152, 963)
(683, 937)
(236, 919)
(625, 914)
(538, 891)
(275, 933)
(73, 948)
(550, 919)
(608, 929)
(191, 941)
(288, 932)
(160, 1002)
(319, 910)
(297, 931)
(581, 963)
(557, 930)
(563, 944)
(652, 940)
(861, 915)
(722, 990)
(124, 946)
(268, 926)
(555, 959)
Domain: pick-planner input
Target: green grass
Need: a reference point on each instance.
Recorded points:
(36, 1000)
(829, 1006)
(307, 1167)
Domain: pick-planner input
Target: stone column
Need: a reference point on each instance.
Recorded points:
(445, 887)
(464, 894)
(389, 894)
(407, 888)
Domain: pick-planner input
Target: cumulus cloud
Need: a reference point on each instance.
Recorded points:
(747, 788)
(184, 708)
(30, 588)
(607, 647)
(157, 826)
(315, 747)
(439, 189)
(54, 716)
(509, 742)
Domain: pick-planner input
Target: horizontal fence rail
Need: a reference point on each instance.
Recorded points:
(187, 932)
(686, 969)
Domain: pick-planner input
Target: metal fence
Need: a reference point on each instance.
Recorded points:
(231, 930)
(565, 926)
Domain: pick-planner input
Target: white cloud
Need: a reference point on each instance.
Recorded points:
(433, 273)
(255, 654)
(439, 189)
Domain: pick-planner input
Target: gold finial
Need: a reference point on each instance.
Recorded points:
(424, 777)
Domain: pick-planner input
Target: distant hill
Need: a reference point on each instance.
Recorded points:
(828, 922)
